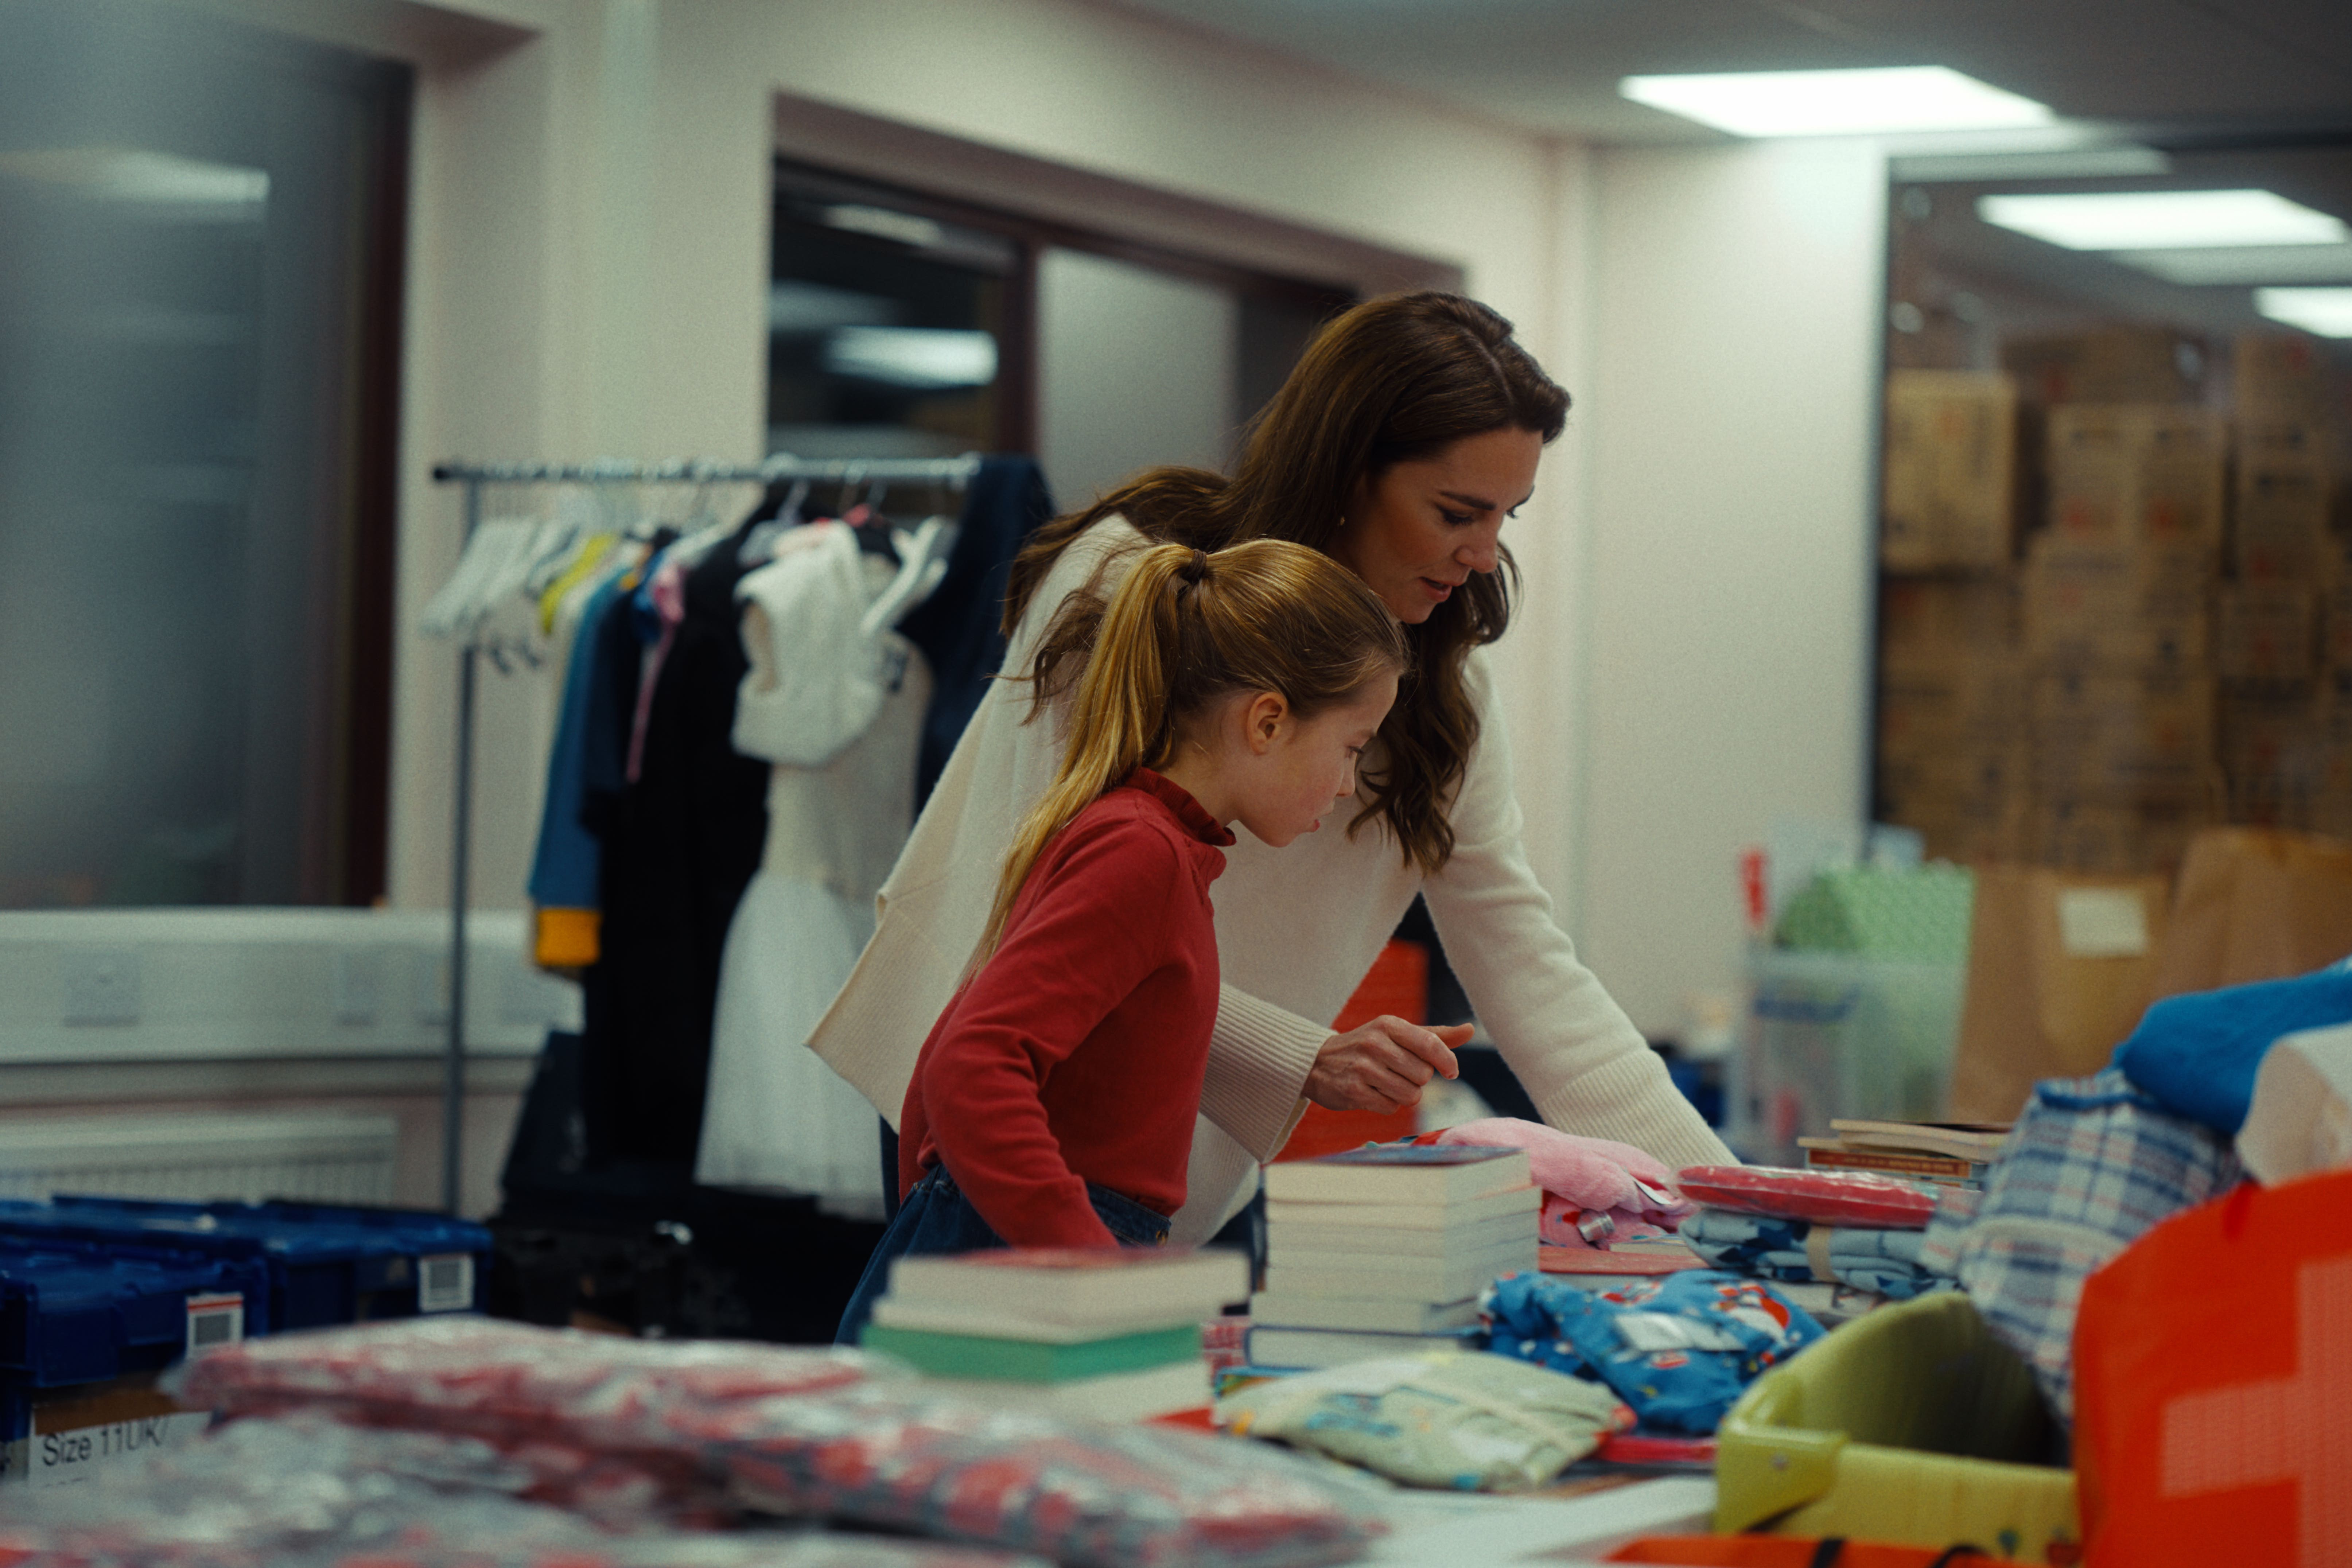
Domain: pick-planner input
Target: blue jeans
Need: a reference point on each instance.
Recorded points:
(935, 1218)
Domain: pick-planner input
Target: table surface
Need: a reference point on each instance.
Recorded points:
(1572, 1524)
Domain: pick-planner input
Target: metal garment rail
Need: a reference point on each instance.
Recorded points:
(949, 473)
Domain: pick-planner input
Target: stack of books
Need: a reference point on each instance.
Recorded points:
(1114, 1335)
(1383, 1250)
(1951, 1153)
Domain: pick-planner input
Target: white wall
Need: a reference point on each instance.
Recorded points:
(589, 276)
(590, 265)
(1730, 427)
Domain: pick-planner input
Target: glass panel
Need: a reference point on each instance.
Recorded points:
(184, 414)
(885, 332)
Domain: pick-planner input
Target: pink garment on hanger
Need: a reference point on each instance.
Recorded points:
(1582, 1177)
(668, 594)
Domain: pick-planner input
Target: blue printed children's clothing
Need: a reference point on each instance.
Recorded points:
(2197, 1053)
(1794, 1251)
(2092, 1165)
(1679, 1348)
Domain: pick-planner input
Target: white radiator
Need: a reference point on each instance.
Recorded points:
(313, 1158)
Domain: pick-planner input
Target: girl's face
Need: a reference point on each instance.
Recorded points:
(1416, 533)
(1289, 771)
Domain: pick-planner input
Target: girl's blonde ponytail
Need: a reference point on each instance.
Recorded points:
(1185, 629)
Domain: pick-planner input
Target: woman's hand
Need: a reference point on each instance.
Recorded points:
(1380, 1066)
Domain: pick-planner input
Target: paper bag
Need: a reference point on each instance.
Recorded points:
(2059, 970)
(2213, 1387)
(2255, 904)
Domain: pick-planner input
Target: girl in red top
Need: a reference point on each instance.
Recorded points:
(1053, 1104)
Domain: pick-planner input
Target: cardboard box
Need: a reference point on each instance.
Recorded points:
(2285, 375)
(1948, 712)
(2108, 365)
(2110, 738)
(2117, 606)
(2278, 526)
(1935, 623)
(2137, 477)
(1950, 470)
(2069, 834)
(1969, 805)
(2265, 632)
(2059, 970)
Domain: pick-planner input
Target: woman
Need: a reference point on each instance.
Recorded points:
(1409, 432)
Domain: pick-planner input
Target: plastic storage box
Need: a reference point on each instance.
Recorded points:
(1834, 1033)
(1912, 1424)
(325, 1265)
(84, 1326)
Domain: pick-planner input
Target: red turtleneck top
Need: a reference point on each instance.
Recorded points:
(1075, 1055)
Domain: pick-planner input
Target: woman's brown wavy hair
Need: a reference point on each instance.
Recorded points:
(1393, 380)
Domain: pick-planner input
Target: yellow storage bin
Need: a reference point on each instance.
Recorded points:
(1914, 1424)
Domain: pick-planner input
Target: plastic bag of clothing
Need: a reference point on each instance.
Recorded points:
(308, 1492)
(1087, 1495)
(1679, 1348)
(610, 1425)
(1796, 1252)
(1465, 1422)
(2092, 1164)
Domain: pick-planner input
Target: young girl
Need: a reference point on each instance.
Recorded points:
(1053, 1103)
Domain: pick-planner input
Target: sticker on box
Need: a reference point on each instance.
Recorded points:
(445, 1283)
(214, 1320)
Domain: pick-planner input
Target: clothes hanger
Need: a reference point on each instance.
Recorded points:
(922, 564)
(760, 543)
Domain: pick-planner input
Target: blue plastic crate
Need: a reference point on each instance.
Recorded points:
(326, 1265)
(78, 1311)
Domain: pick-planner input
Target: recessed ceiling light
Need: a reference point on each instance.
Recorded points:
(2163, 220)
(1837, 102)
(2326, 311)
(2243, 266)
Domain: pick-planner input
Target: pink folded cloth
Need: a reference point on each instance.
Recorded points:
(1595, 1190)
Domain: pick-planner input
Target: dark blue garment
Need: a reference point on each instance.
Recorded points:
(959, 627)
(564, 869)
(2197, 1054)
(935, 1219)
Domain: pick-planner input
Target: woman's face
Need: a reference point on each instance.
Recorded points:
(1416, 533)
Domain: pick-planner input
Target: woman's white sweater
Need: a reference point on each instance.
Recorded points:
(1297, 931)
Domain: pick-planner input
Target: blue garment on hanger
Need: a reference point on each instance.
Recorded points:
(564, 869)
(959, 627)
(2197, 1054)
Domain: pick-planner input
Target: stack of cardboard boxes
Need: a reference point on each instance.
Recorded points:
(2152, 653)
(2283, 622)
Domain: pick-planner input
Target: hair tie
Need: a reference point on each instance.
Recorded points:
(1194, 571)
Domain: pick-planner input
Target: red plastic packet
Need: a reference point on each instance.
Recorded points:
(1826, 1197)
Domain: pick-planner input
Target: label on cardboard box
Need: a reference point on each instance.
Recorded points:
(2102, 922)
(78, 1436)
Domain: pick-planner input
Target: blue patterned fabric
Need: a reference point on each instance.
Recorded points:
(1885, 1262)
(2092, 1164)
(2197, 1053)
(1679, 1348)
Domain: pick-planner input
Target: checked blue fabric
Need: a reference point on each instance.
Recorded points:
(2092, 1164)
(1885, 1262)
(1679, 1348)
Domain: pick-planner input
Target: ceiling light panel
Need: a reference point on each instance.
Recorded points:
(2241, 265)
(2326, 311)
(2163, 220)
(1837, 102)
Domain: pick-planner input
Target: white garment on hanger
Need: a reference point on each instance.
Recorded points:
(839, 710)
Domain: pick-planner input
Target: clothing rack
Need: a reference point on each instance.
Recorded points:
(946, 473)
